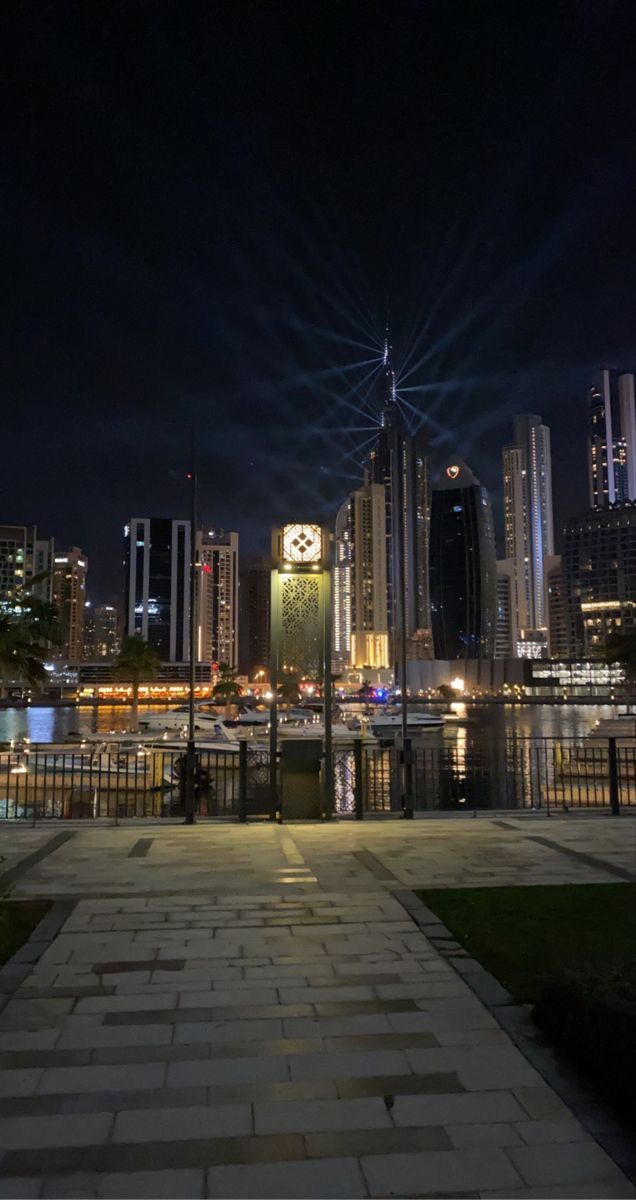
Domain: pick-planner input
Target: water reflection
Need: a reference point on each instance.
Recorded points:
(489, 755)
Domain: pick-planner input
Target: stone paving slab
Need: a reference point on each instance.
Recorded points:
(286, 1038)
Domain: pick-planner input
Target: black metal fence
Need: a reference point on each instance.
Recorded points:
(39, 783)
(524, 773)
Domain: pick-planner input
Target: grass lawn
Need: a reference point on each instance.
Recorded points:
(526, 934)
(571, 952)
(18, 919)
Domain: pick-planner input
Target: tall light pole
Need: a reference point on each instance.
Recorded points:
(398, 498)
(327, 686)
(191, 754)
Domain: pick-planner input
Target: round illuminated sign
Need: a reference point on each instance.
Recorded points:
(452, 471)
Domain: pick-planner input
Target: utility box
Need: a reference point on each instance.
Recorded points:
(301, 791)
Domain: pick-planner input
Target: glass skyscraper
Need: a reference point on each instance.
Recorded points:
(157, 585)
(612, 439)
(599, 578)
(462, 566)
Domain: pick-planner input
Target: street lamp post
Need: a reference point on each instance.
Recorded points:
(407, 750)
(191, 754)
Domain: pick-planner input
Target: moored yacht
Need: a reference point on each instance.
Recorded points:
(388, 723)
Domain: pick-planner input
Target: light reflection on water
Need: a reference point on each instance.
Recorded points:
(55, 724)
(465, 764)
(494, 722)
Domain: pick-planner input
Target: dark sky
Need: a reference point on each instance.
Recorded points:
(208, 208)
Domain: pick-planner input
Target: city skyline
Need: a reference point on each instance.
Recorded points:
(111, 588)
(224, 253)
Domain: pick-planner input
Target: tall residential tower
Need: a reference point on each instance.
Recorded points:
(612, 439)
(360, 618)
(217, 597)
(68, 593)
(529, 530)
(463, 566)
(157, 585)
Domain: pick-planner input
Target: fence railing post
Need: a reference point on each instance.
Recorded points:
(406, 760)
(612, 759)
(242, 794)
(358, 784)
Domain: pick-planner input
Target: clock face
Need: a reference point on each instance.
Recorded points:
(302, 543)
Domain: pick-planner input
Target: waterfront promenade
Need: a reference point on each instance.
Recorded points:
(253, 1011)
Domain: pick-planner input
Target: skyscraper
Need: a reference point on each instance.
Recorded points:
(506, 627)
(599, 577)
(360, 572)
(341, 587)
(612, 439)
(101, 631)
(68, 593)
(254, 615)
(217, 597)
(398, 461)
(463, 568)
(24, 556)
(157, 562)
(557, 623)
(529, 530)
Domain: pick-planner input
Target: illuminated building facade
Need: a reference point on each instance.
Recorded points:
(399, 463)
(102, 681)
(361, 636)
(217, 597)
(341, 598)
(369, 617)
(68, 593)
(254, 616)
(599, 578)
(462, 566)
(22, 556)
(300, 600)
(157, 563)
(529, 530)
(612, 439)
(102, 626)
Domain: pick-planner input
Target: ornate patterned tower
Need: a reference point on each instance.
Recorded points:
(300, 600)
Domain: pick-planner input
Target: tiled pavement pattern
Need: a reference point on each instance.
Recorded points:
(250, 1012)
(487, 851)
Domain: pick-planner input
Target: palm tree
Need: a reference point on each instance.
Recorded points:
(226, 686)
(21, 655)
(28, 627)
(40, 617)
(136, 661)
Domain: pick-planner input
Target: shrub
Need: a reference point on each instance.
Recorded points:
(592, 1018)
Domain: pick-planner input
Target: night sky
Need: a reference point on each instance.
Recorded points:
(209, 208)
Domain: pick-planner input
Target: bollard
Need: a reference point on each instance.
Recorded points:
(242, 795)
(358, 796)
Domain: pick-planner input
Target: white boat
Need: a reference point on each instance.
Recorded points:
(255, 716)
(175, 721)
(389, 723)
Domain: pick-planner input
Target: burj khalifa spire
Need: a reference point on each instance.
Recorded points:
(398, 460)
(389, 389)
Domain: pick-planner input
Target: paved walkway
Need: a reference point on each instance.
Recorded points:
(244, 1012)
